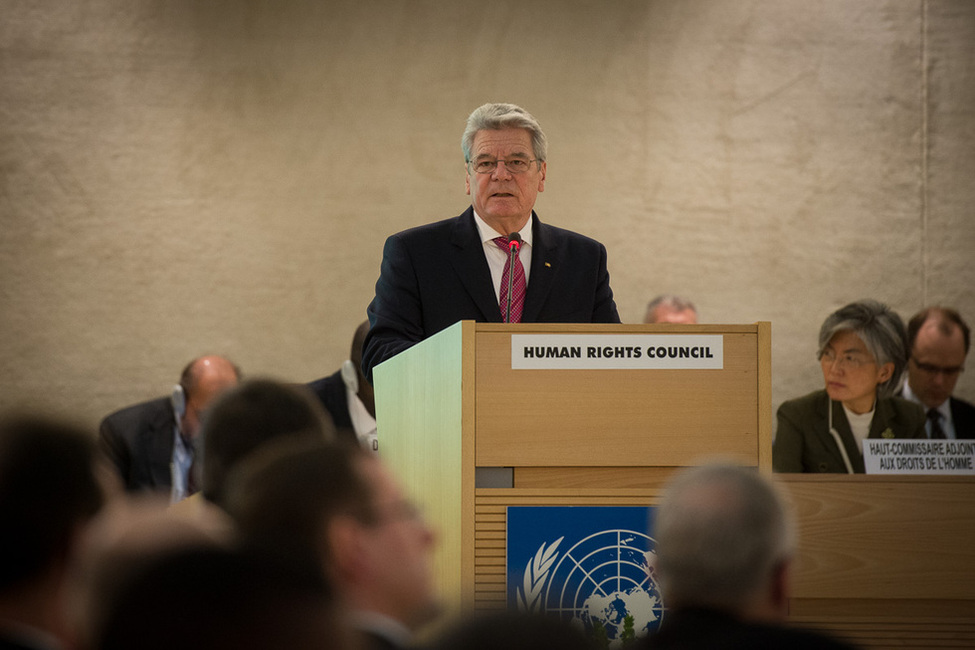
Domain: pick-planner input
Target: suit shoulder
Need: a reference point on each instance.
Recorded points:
(426, 231)
(142, 411)
(907, 408)
(812, 401)
(961, 406)
(557, 235)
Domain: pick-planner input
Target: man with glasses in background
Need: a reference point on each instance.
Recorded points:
(938, 341)
(466, 268)
(338, 505)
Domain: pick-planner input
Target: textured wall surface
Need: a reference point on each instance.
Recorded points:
(180, 177)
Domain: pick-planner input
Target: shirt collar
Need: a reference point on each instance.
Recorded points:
(381, 625)
(488, 233)
(944, 409)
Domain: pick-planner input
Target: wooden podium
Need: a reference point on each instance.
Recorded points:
(453, 415)
(884, 561)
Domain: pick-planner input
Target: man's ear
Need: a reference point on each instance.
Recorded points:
(342, 541)
(467, 181)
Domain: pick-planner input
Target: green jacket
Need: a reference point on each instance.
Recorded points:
(803, 442)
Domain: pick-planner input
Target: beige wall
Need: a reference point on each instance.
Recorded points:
(180, 177)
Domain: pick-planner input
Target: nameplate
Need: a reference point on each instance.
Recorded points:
(617, 352)
(919, 456)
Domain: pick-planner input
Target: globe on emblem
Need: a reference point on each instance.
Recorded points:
(609, 612)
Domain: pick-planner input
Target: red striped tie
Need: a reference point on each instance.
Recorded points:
(517, 283)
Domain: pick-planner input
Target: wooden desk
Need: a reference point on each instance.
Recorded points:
(887, 562)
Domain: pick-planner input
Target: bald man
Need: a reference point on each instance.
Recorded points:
(152, 444)
(938, 339)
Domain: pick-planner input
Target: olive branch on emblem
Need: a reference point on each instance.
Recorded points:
(536, 573)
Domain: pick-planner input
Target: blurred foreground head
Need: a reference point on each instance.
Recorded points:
(48, 491)
(247, 417)
(341, 505)
(724, 541)
(212, 598)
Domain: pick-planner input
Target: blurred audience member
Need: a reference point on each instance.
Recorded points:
(938, 341)
(125, 535)
(211, 598)
(340, 504)
(671, 309)
(248, 416)
(348, 397)
(862, 351)
(725, 543)
(48, 494)
(153, 444)
(512, 631)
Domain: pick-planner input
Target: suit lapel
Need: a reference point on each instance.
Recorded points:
(842, 426)
(883, 417)
(544, 266)
(467, 257)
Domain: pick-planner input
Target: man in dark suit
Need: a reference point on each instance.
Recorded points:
(938, 339)
(153, 442)
(349, 398)
(725, 542)
(458, 269)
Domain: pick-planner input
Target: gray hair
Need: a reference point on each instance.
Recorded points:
(880, 329)
(677, 303)
(721, 531)
(503, 116)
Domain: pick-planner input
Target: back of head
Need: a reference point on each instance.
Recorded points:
(880, 329)
(249, 415)
(286, 493)
(503, 116)
(721, 532)
(210, 598)
(48, 487)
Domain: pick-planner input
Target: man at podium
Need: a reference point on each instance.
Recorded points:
(497, 262)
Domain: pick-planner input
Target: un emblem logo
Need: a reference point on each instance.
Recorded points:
(601, 581)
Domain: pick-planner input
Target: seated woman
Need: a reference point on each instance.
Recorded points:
(863, 351)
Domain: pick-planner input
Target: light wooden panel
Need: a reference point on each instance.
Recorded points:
(617, 417)
(425, 419)
(586, 477)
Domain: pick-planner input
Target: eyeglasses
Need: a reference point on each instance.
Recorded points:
(932, 369)
(513, 165)
(851, 360)
(397, 511)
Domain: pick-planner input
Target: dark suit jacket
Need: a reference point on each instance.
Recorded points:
(963, 416)
(803, 442)
(692, 629)
(139, 442)
(435, 275)
(331, 393)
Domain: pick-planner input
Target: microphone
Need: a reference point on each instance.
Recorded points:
(514, 247)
